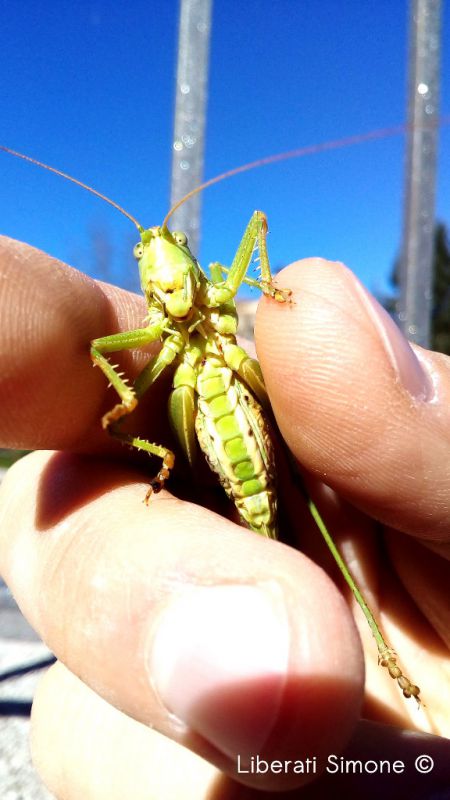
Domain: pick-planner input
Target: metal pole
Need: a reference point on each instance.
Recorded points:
(190, 114)
(416, 281)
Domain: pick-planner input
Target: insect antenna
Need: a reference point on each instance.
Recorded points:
(73, 180)
(299, 152)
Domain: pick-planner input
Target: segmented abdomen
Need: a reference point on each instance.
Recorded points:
(235, 438)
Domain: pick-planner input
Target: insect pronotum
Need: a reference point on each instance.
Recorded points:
(218, 396)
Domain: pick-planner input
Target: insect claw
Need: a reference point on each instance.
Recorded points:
(155, 487)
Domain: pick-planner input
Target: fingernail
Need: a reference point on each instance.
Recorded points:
(401, 356)
(219, 661)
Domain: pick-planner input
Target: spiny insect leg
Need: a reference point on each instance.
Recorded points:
(167, 456)
(266, 282)
(125, 392)
(218, 271)
(121, 341)
(254, 238)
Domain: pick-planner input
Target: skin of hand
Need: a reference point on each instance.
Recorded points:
(171, 619)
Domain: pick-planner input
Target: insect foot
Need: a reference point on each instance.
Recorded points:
(283, 295)
(388, 659)
(280, 295)
(158, 482)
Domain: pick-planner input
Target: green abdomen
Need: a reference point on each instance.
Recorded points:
(235, 438)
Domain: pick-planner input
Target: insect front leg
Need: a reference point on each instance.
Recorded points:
(219, 271)
(172, 346)
(254, 237)
(128, 340)
(130, 395)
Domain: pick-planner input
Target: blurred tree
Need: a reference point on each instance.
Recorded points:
(441, 292)
(440, 323)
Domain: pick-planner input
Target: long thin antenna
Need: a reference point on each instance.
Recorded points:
(73, 180)
(333, 144)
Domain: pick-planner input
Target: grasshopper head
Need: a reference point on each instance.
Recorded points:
(169, 272)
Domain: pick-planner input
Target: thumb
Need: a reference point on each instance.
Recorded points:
(358, 406)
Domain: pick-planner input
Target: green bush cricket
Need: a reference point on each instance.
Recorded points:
(218, 398)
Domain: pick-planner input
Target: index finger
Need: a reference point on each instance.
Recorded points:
(49, 394)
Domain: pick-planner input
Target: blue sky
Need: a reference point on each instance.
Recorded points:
(89, 88)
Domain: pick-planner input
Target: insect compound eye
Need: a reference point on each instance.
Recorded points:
(180, 237)
(138, 250)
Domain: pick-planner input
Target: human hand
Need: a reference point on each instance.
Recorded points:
(127, 596)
